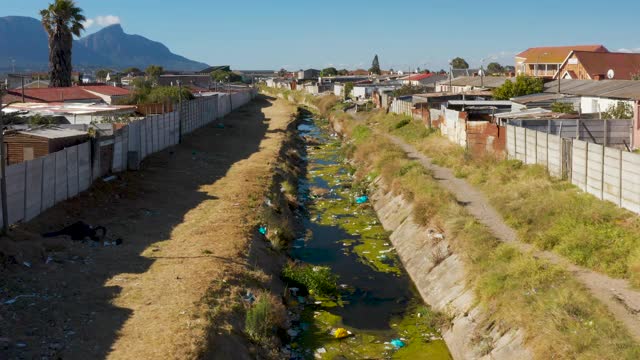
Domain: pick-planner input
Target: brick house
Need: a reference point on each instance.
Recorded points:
(586, 65)
(544, 62)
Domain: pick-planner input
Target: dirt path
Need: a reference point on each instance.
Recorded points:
(616, 294)
(185, 220)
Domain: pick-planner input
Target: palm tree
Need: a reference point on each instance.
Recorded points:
(62, 19)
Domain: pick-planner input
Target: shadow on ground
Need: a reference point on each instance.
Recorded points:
(64, 308)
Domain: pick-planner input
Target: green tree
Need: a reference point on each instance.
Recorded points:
(154, 71)
(343, 72)
(163, 94)
(283, 72)
(524, 85)
(330, 71)
(61, 20)
(495, 68)
(375, 66)
(348, 88)
(102, 74)
(132, 70)
(408, 90)
(563, 107)
(225, 76)
(619, 110)
(459, 63)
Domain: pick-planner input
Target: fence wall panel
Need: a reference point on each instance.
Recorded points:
(631, 181)
(33, 188)
(554, 151)
(48, 181)
(579, 164)
(16, 180)
(72, 171)
(594, 169)
(612, 175)
(36, 185)
(84, 166)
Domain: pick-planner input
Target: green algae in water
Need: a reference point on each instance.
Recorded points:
(420, 338)
(368, 244)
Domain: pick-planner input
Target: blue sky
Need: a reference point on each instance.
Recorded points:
(270, 34)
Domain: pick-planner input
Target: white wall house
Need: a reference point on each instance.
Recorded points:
(593, 105)
(338, 90)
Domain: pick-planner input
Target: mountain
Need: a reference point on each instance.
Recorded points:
(24, 40)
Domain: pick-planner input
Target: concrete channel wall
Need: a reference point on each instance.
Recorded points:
(442, 284)
(36, 185)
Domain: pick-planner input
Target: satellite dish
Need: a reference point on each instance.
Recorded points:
(610, 74)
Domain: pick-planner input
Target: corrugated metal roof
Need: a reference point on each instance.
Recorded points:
(53, 133)
(480, 102)
(541, 97)
(521, 113)
(477, 81)
(618, 89)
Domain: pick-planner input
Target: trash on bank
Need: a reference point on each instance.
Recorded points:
(397, 343)
(340, 333)
(263, 230)
(362, 199)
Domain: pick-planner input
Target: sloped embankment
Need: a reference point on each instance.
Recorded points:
(439, 273)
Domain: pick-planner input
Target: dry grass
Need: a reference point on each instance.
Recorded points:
(550, 213)
(561, 319)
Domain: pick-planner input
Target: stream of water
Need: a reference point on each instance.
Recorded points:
(378, 305)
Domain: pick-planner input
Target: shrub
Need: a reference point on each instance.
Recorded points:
(317, 279)
(263, 317)
(402, 123)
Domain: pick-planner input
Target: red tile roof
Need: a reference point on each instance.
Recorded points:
(555, 54)
(418, 77)
(107, 90)
(624, 65)
(62, 94)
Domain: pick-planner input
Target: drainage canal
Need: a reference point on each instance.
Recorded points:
(377, 313)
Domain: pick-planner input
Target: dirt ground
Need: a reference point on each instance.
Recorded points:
(186, 221)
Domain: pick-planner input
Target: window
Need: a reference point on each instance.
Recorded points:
(27, 153)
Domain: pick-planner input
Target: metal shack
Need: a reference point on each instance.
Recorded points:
(27, 145)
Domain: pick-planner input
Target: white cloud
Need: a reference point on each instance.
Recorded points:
(625, 50)
(102, 21)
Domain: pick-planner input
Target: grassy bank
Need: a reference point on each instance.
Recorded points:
(560, 318)
(550, 213)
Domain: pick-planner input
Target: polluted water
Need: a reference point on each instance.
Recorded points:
(376, 312)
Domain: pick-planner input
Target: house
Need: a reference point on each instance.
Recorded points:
(74, 94)
(309, 74)
(544, 61)
(423, 80)
(78, 113)
(597, 96)
(586, 65)
(31, 144)
(364, 91)
(456, 73)
(467, 83)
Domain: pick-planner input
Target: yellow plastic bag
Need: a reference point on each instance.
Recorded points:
(341, 333)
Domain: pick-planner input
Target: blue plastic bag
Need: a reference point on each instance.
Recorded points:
(263, 230)
(397, 343)
(362, 199)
